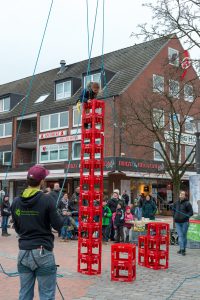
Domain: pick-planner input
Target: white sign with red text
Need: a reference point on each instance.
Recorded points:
(52, 134)
(69, 138)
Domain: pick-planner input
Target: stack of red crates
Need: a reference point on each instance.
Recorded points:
(123, 262)
(153, 249)
(91, 188)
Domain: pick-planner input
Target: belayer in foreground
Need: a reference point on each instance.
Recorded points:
(33, 214)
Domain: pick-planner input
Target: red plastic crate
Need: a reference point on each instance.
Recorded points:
(158, 229)
(142, 250)
(91, 188)
(123, 262)
(158, 243)
(89, 264)
(157, 259)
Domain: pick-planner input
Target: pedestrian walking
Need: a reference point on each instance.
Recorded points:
(182, 211)
(33, 215)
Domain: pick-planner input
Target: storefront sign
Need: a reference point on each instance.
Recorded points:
(75, 131)
(122, 164)
(186, 138)
(52, 134)
(74, 165)
(139, 165)
(69, 138)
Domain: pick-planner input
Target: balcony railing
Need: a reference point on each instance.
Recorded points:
(23, 139)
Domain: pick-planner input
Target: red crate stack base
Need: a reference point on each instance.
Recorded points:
(91, 188)
(123, 262)
(153, 249)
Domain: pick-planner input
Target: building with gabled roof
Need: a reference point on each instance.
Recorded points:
(44, 127)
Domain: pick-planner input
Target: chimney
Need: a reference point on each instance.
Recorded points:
(63, 66)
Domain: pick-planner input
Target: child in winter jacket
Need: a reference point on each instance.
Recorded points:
(106, 216)
(119, 223)
(127, 226)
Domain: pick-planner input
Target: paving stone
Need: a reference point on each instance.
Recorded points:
(149, 284)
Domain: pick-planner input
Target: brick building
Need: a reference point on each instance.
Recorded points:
(44, 127)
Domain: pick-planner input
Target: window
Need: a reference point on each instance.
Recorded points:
(63, 90)
(76, 150)
(158, 152)
(4, 104)
(173, 152)
(158, 84)
(189, 153)
(174, 121)
(188, 92)
(42, 98)
(54, 121)
(174, 88)
(96, 77)
(5, 158)
(76, 117)
(5, 130)
(54, 153)
(189, 126)
(173, 56)
(158, 118)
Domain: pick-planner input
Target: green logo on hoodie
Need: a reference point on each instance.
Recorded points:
(18, 212)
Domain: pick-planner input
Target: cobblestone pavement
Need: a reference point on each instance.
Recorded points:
(149, 284)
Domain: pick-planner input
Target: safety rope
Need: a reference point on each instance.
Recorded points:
(87, 74)
(27, 96)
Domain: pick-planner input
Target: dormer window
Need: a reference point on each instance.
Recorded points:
(96, 77)
(63, 90)
(4, 104)
(173, 56)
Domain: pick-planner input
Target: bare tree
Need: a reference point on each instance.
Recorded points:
(173, 17)
(157, 122)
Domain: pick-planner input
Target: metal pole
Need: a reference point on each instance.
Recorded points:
(198, 152)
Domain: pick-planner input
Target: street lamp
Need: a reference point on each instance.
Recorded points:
(197, 133)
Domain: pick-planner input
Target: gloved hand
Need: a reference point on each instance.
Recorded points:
(78, 105)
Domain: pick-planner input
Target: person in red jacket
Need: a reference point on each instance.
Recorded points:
(127, 225)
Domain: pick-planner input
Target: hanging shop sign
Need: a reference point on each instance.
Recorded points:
(122, 164)
(52, 134)
(186, 138)
(69, 138)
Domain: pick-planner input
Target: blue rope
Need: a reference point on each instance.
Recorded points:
(181, 283)
(29, 88)
(88, 71)
(88, 34)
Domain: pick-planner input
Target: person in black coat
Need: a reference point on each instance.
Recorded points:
(5, 213)
(125, 196)
(63, 203)
(112, 204)
(182, 211)
(56, 194)
(119, 223)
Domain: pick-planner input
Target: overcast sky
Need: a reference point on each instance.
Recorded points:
(22, 24)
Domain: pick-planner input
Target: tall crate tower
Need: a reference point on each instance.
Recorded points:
(91, 188)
